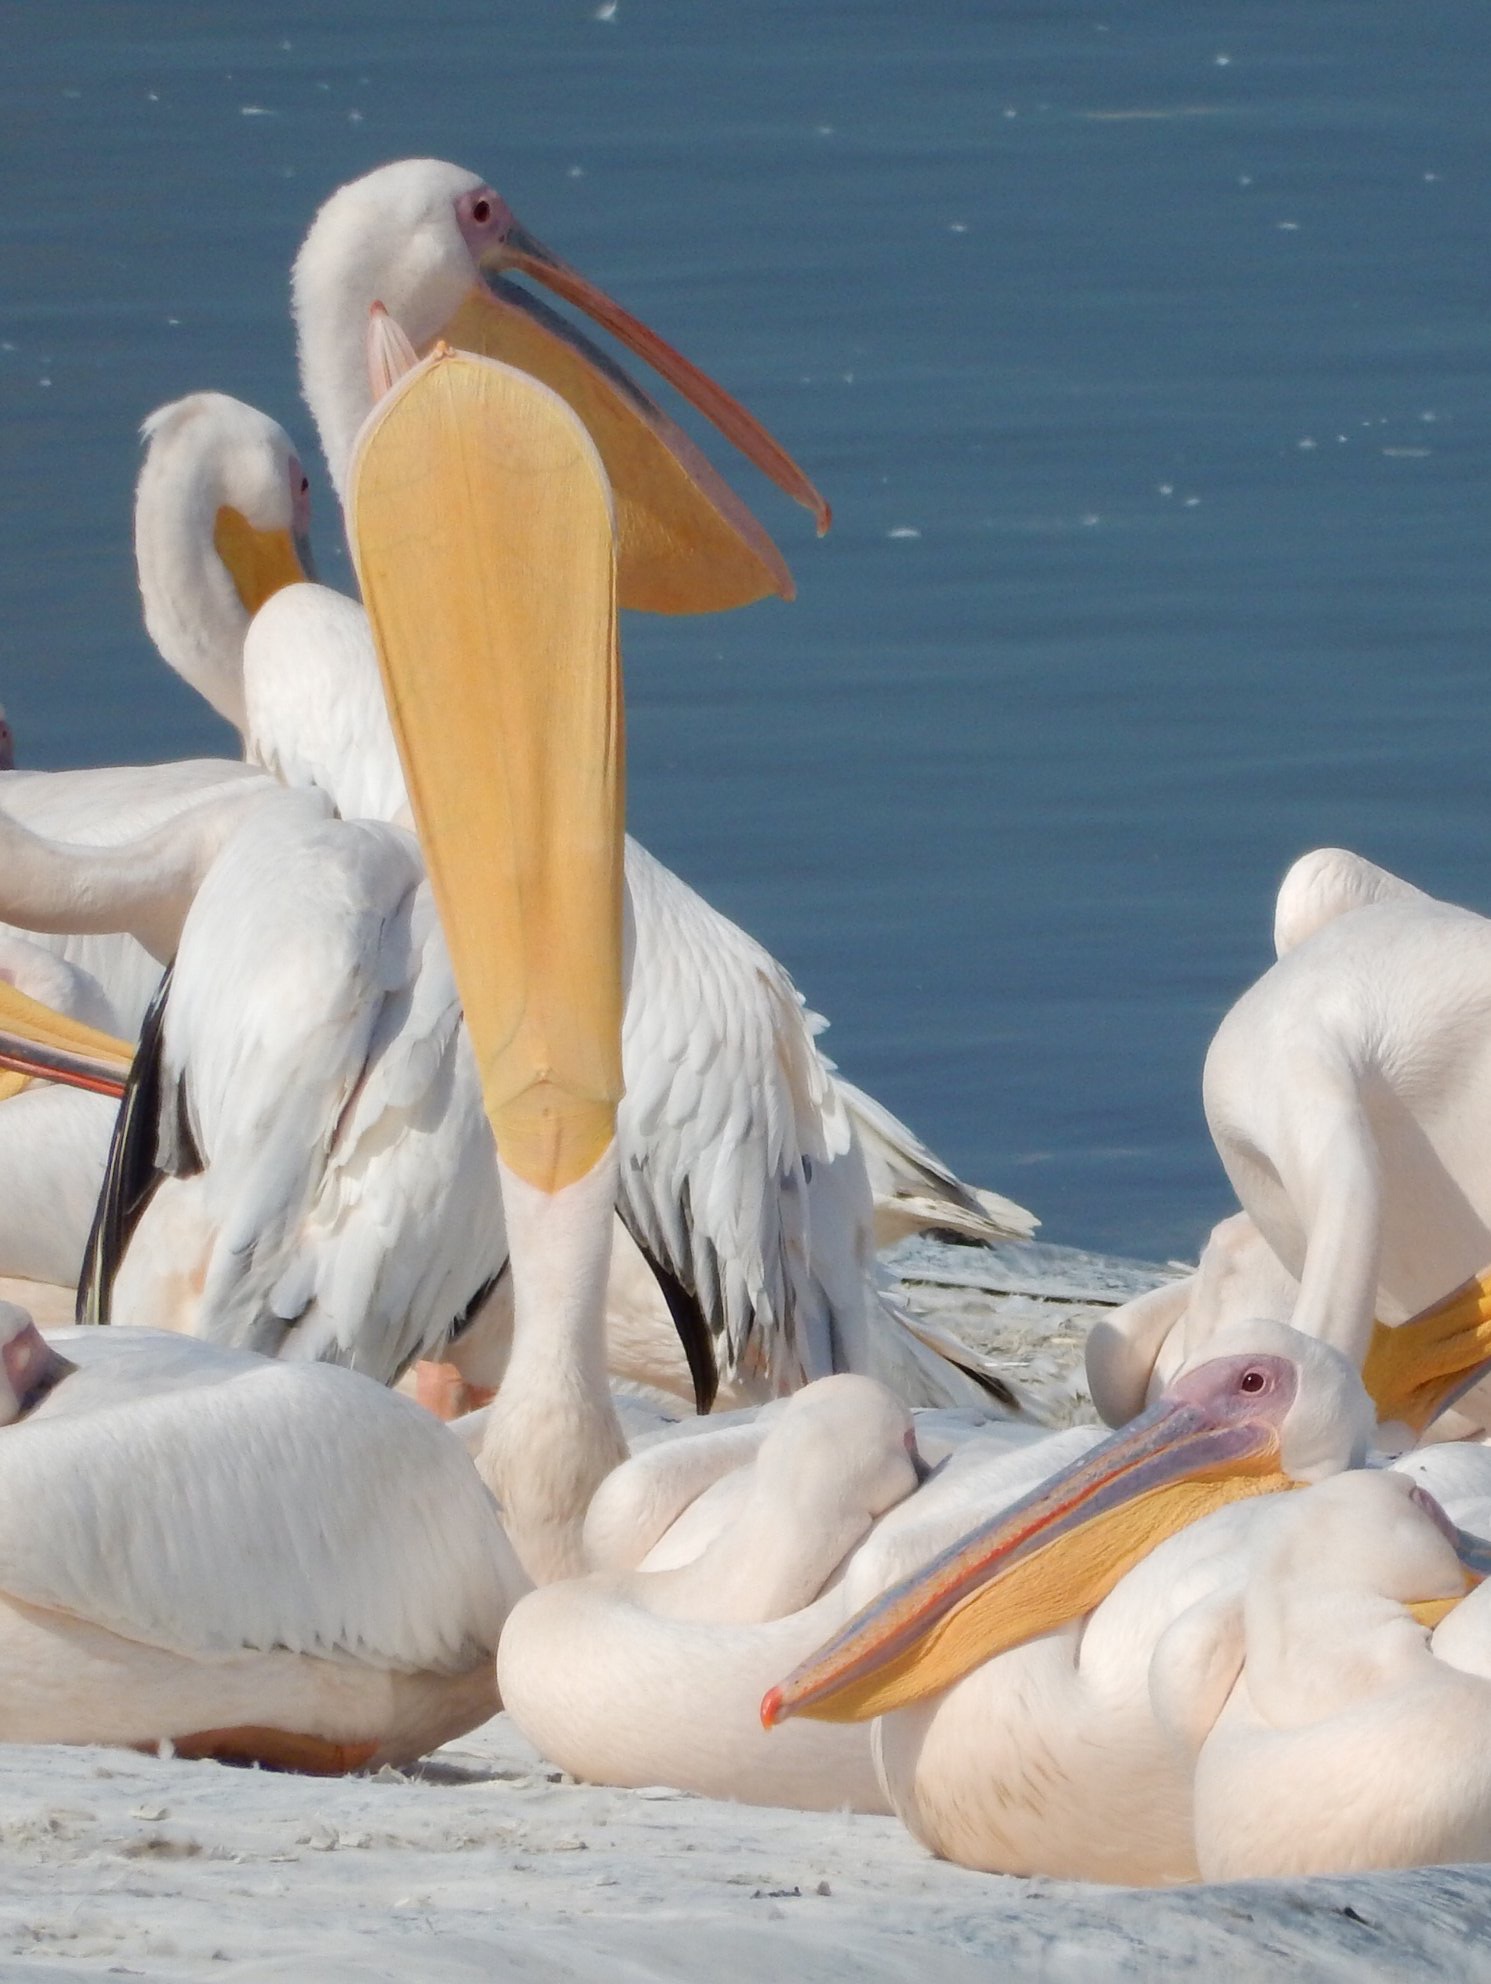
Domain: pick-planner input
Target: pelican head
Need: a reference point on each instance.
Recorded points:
(846, 1448)
(29, 1368)
(1262, 1409)
(436, 247)
(221, 474)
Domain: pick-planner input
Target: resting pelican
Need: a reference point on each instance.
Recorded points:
(254, 1561)
(1135, 1350)
(1357, 1732)
(1012, 1671)
(654, 1675)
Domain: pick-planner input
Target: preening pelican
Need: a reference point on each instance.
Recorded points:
(654, 1675)
(222, 521)
(1344, 1092)
(250, 1560)
(221, 515)
(1012, 1671)
(1357, 1733)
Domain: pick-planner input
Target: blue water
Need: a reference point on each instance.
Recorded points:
(1142, 349)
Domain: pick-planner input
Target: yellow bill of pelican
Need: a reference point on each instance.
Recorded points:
(1054, 1555)
(1416, 1369)
(38, 1042)
(259, 562)
(504, 691)
(1237, 1425)
(685, 542)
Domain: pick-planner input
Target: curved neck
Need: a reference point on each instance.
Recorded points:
(337, 280)
(144, 887)
(192, 610)
(772, 1560)
(553, 1435)
(333, 369)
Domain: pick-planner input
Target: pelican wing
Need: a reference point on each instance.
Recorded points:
(407, 1225)
(251, 1505)
(728, 1108)
(296, 942)
(314, 1056)
(915, 1192)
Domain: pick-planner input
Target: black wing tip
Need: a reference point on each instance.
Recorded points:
(691, 1324)
(131, 1171)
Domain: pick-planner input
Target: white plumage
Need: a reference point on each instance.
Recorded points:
(245, 1558)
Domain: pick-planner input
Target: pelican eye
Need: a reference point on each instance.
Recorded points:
(305, 485)
(1253, 1381)
(481, 211)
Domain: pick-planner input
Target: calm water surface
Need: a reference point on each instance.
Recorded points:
(1142, 349)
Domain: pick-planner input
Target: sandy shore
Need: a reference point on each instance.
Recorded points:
(487, 1864)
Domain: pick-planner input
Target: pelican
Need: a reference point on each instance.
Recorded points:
(778, 1264)
(1356, 1733)
(1344, 1092)
(744, 1176)
(222, 522)
(222, 511)
(519, 642)
(1012, 1671)
(247, 1560)
(1133, 1352)
(653, 1675)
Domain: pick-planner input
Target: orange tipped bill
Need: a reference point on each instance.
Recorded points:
(685, 541)
(1048, 1559)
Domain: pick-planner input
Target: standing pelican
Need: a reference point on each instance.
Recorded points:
(768, 1231)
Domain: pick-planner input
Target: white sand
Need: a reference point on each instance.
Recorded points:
(486, 1864)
